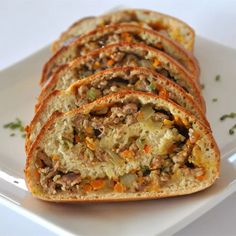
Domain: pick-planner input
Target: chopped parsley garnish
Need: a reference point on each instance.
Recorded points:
(230, 115)
(231, 130)
(202, 86)
(16, 125)
(217, 78)
(214, 99)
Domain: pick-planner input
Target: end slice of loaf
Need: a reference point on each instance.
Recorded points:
(141, 146)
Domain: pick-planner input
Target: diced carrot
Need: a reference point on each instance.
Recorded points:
(201, 177)
(156, 63)
(87, 188)
(90, 143)
(127, 154)
(110, 62)
(147, 148)
(127, 37)
(97, 184)
(119, 187)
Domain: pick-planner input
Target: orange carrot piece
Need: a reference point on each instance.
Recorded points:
(147, 148)
(97, 184)
(119, 187)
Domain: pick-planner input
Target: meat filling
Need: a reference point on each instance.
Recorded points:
(124, 148)
(89, 92)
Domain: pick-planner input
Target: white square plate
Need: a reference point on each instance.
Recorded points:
(18, 91)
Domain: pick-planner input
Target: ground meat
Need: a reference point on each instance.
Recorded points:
(130, 108)
(78, 121)
(41, 155)
(102, 84)
(68, 180)
(165, 177)
(130, 119)
(99, 129)
(182, 156)
(130, 60)
(117, 56)
(141, 85)
(156, 162)
(117, 111)
(100, 154)
(158, 116)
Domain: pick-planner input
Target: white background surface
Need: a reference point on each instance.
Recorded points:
(27, 25)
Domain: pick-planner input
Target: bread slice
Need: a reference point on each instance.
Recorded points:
(120, 33)
(122, 54)
(172, 27)
(125, 146)
(106, 82)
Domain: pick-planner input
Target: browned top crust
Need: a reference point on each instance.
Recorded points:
(174, 28)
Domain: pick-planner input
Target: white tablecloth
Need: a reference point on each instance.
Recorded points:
(28, 25)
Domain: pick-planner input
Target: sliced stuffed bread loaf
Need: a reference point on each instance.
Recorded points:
(167, 25)
(126, 146)
(123, 54)
(106, 82)
(103, 36)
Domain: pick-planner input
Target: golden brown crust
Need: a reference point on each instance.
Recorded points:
(101, 102)
(56, 44)
(105, 18)
(124, 46)
(186, 58)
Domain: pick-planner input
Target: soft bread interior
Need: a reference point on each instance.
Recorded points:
(127, 145)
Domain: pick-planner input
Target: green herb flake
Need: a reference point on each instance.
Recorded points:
(15, 125)
(91, 94)
(230, 115)
(202, 86)
(217, 78)
(214, 99)
(152, 87)
(231, 130)
(146, 171)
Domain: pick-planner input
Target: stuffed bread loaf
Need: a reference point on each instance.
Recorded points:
(125, 146)
(122, 54)
(103, 36)
(106, 82)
